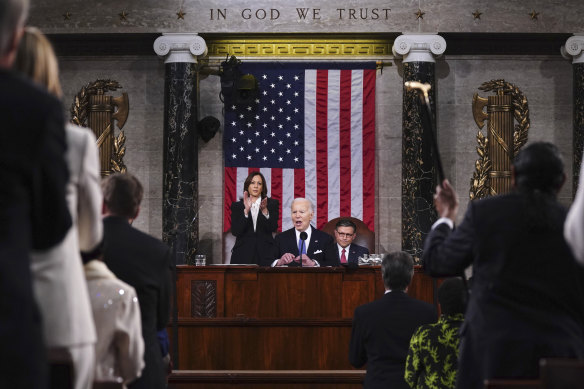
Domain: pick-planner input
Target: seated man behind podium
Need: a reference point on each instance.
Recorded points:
(382, 329)
(343, 251)
(290, 242)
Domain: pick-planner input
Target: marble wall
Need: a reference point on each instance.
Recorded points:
(546, 81)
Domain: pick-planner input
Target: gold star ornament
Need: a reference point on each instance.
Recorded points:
(180, 15)
(67, 15)
(419, 14)
(123, 15)
(476, 14)
(533, 15)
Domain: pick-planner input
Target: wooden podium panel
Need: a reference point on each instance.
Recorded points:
(238, 317)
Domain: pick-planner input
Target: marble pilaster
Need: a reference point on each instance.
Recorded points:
(418, 172)
(574, 50)
(180, 163)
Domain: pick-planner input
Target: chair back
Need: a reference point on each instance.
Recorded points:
(365, 237)
(561, 373)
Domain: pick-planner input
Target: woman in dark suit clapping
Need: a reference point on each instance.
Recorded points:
(253, 220)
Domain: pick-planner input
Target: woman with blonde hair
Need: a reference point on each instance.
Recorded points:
(58, 280)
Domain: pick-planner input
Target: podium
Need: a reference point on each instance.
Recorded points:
(242, 318)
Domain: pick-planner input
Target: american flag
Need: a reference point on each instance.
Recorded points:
(311, 132)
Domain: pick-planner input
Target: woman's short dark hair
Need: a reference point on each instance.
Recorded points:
(122, 194)
(247, 183)
(397, 270)
(452, 296)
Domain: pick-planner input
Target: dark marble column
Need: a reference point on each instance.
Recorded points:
(418, 172)
(180, 229)
(574, 50)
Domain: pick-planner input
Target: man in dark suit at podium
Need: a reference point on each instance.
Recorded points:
(343, 251)
(302, 236)
(143, 262)
(382, 329)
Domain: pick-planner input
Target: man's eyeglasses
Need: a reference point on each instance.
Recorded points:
(343, 235)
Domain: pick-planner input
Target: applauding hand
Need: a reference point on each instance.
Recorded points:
(285, 260)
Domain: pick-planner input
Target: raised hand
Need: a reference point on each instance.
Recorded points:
(285, 260)
(264, 206)
(446, 201)
(246, 202)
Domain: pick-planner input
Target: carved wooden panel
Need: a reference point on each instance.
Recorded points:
(204, 298)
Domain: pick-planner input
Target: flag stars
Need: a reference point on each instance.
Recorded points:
(233, 107)
(265, 93)
(241, 148)
(296, 126)
(295, 159)
(280, 94)
(233, 124)
(280, 159)
(295, 94)
(280, 110)
(233, 140)
(249, 157)
(272, 85)
(280, 126)
(273, 134)
(257, 101)
(257, 150)
(273, 151)
(249, 141)
(248, 124)
(288, 102)
(273, 101)
(265, 109)
(288, 151)
(257, 133)
(264, 77)
(248, 108)
(280, 78)
(295, 110)
(233, 156)
(257, 117)
(241, 116)
(273, 118)
(288, 135)
(288, 118)
(288, 86)
(265, 125)
(296, 78)
(265, 158)
(240, 132)
(265, 141)
(280, 142)
(296, 143)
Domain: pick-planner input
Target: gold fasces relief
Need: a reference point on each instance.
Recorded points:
(94, 109)
(497, 149)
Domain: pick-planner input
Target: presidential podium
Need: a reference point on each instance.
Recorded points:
(254, 322)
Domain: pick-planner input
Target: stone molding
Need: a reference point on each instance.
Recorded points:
(418, 47)
(177, 47)
(574, 48)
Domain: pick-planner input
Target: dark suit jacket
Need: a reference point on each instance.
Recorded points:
(143, 262)
(316, 250)
(381, 334)
(33, 215)
(355, 251)
(527, 298)
(254, 246)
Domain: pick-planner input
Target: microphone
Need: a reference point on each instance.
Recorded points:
(303, 237)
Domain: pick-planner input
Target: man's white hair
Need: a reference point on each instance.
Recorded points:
(13, 13)
(299, 199)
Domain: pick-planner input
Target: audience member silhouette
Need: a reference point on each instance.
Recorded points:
(527, 298)
(382, 329)
(141, 261)
(58, 280)
(33, 209)
(432, 360)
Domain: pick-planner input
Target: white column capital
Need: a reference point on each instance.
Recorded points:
(419, 47)
(180, 47)
(574, 48)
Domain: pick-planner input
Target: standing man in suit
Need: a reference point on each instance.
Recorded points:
(382, 329)
(343, 250)
(33, 210)
(142, 262)
(527, 298)
(290, 243)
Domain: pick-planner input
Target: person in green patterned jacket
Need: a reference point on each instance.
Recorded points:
(433, 355)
